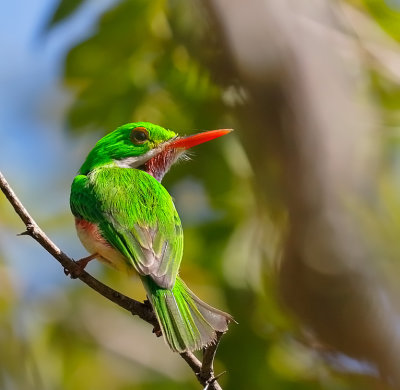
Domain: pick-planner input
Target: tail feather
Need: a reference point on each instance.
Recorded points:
(187, 323)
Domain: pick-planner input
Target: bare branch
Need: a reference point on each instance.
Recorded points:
(207, 369)
(32, 229)
(204, 370)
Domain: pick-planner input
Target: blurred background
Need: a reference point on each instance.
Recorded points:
(292, 223)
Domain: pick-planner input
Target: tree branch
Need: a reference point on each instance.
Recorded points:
(207, 369)
(204, 370)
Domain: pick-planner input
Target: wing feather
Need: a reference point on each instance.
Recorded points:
(136, 215)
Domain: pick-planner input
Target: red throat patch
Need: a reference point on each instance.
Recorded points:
(160, 163)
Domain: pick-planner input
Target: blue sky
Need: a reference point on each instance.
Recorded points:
(37, 156)
(393, 3)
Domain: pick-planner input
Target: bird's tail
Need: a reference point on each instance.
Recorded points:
(187, 323)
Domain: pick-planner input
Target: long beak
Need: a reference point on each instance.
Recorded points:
(196, 139)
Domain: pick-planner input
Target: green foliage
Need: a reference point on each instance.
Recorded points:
(387, 16)
(134, 68)
(64, 9)
(148, 61)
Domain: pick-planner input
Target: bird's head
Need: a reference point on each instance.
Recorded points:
(144, 146)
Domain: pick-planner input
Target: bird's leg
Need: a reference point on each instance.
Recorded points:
(82, 263)
(85, 260)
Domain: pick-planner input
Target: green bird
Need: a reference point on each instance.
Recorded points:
(125, 218)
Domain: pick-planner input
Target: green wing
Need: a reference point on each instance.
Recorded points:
(136, 215)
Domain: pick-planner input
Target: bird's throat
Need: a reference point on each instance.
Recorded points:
(156, 162)
(159, 165)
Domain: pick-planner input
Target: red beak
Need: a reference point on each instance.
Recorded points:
(196, 139)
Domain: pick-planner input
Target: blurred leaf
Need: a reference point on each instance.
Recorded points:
(64, 9)
(135, 69)
(388, 16)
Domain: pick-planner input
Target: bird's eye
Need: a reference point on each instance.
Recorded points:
(139, 135)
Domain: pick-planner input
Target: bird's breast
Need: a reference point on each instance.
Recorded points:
(94, 242)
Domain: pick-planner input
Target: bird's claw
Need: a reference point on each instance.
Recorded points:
(80, 267)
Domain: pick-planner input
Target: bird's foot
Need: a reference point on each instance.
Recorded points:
(81, 265)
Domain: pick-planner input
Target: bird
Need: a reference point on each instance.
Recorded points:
(125, 218)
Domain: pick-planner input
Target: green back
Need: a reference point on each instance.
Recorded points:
(136, 215)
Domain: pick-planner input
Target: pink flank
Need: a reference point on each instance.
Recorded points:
(94, 242)
(90, 230)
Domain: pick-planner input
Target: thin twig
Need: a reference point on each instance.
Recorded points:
(32, 229)
(207, 369)
(203, 370)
